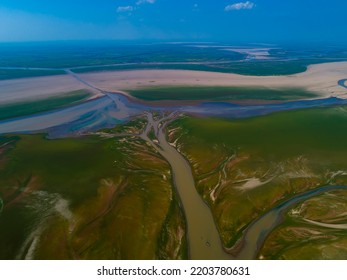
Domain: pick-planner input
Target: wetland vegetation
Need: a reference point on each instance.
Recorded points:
(88, 198)
(220, 93)
(105, 56)
(314, 229)
(97, 196)
(31, 107)
(243, 168)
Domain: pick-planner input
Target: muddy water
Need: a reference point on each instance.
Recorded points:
(203, 237)
(204, 240)
(256, 233)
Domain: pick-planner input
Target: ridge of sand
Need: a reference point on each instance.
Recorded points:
(320, 78)
(26, 89)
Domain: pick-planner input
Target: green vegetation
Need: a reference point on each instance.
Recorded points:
(98, 56)
(299, 239)
(220, 93)
(87, 198)
(14, 110)
(133, 126)
(248, 166)
(257, 68)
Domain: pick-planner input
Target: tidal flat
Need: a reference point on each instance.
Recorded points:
(87, 198)
(244, 168)
(104, 190)
(311, 230)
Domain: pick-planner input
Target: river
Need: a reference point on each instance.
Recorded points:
(203, 237)
(113, 108)
(342, 83)
(255, 234)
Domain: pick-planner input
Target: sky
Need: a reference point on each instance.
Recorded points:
(255, 21)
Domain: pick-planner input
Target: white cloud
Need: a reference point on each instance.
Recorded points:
(140, 2)
(240, 6)
(125, 9)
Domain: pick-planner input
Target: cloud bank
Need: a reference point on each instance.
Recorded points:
(125, 9)
(240, 6)
(140, 2)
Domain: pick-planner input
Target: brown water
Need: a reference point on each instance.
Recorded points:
(203, 237)
(256, 233)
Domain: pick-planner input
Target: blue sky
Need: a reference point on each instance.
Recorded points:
(175, 20)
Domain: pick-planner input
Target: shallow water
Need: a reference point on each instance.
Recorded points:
(114, 108)
(256, 233)
(203, 237)
(342, 83)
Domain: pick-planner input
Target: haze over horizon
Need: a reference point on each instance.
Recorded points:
(167, 20)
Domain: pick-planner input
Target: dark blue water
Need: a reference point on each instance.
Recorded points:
(342, 83)
(227, 110)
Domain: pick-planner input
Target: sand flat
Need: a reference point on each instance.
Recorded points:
(321, 78)
(25, 89)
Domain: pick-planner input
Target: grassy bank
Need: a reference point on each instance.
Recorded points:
(87, 198)
(243, 168)
(20, 109)
(221, 93)
(298, 239)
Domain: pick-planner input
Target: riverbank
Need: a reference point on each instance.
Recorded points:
(287, 154)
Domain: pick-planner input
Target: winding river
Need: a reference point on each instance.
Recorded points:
(113, 108)
(256, 233)
(203, 237)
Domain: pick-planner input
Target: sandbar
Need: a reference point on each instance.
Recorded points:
(320, 78)
(26, 89)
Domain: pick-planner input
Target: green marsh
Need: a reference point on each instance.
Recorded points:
(221, 93)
